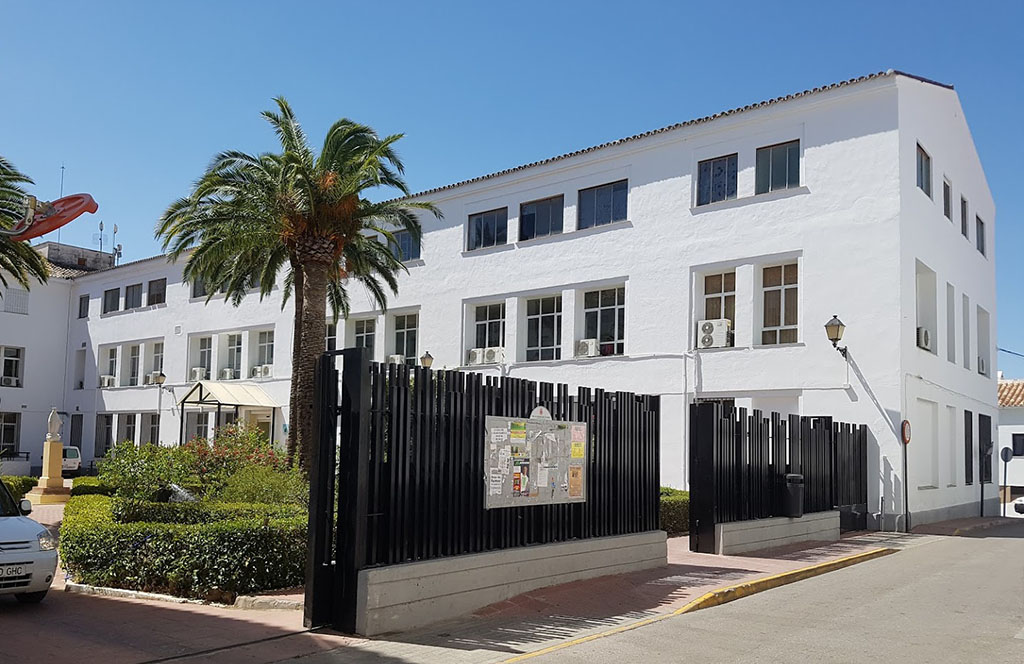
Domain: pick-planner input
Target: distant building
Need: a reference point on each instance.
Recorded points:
(1011, 434)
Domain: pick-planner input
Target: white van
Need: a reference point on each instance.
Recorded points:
(28, 552)
(71, 464)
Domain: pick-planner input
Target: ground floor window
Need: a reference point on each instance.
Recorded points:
(104, 433)
(544, 328)
(10, 428)
(406, 329)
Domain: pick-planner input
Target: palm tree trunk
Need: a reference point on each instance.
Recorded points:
(314, 326)
(298, 298)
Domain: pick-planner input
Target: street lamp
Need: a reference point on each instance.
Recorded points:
(426, 360)
(834, 330)
(160, 380)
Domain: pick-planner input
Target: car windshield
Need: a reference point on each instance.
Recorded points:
(7, 505)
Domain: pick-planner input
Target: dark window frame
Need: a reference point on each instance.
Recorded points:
(594, 319)
(83, 306)
(969, 447)
(161, 291)
(765, 167)
(782, 332)
(402, 245)
(924, 170)
(947, 199)
(108, 306)
(491, 327)
(476, 229)
(133, 291)
(1017, 441)
(199, 288)
(592, 202)
(979, 235)
(529, 230)
(965, 229)
(365, 329)
(707, 179)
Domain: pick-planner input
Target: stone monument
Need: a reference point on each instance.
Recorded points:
(50, 489)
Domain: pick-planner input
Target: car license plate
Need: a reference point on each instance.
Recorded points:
(12, 570)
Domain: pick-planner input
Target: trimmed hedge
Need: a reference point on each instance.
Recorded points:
(675, 513)
(215, 560)
(88, 486)
(19, 485)
(669, 491)
(198, 512)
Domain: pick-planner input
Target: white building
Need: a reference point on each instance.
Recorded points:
(864, 199)
(1011, 435)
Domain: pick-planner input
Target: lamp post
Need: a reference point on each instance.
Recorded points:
(834, 330)
(426, 360)
(160, 380)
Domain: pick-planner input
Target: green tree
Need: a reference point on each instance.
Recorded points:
(18, 260)
(251, 216)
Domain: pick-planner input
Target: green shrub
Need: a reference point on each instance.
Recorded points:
(87, 486)
(262, 484)
(138, 472)
(675, 514)
(216, 560)
(669, 491)
(19, 485)
(198, 512)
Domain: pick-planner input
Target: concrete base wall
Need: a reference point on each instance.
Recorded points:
(962, 511)
(403, 597)
(743, 536)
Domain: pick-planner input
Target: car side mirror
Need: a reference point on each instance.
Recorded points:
(26, 506)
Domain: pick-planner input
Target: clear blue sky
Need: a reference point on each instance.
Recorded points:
(135, 97)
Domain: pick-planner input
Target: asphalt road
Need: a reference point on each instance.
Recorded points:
(956, 599)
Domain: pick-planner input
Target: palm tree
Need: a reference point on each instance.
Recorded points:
(251, 216)
(18, 260)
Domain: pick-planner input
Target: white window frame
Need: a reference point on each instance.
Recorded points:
(331, 336)
(10, 431)
(618, 306)
(365, 331)
(402, 344)
(112, 362)
(158, 356)
(784, 296)
(15, 360)
(722, 297)
(101, 447)
(134, 355)
(485, 324)
(539, 349)
(234, 354)
(769, 150)
(205, 355)
(265, 347)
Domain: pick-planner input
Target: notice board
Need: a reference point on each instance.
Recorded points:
(532, 461)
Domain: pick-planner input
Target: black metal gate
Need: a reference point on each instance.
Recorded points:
(398, 474)
(738, 464)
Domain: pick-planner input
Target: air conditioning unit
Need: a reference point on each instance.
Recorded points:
(476, 356)
(396, 359)
(587, 348)
(714, 333)
(152, 378)
(982, 369)
(924, 338)
(490, 355)
(10, 381)
(266, 370)
(198, 373)
(107, 381)
(227, 373)
(255, 372)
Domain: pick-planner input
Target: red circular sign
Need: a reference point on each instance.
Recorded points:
(905, 431)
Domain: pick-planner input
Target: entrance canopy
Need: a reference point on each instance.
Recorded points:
(211, 393)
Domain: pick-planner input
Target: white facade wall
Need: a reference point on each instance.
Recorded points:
(1011, 421)
(857, 227)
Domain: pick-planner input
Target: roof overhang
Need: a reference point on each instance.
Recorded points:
(215, 393)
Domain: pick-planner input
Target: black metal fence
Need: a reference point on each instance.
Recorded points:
(409, 470)
(738, 464)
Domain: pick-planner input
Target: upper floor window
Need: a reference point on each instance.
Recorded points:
(158, 357)
(365, 331)
(199, 288)
(602, 205)
(720, 296)
(779, 283)
(406, 328)
(604, 319)
(235, 355)
(11, 369)
(404, 247)
(331, 337)
(947, 199)
(83, 306)
(15, 301)
(111, 300)
(979, 234)
(206, 353)
(490, 325)
(716, 179)
(924, 171)
(488, 229)
(265, 348)
(157, 292)
(112, 361)
(1018, 444)
(963, 217)
(778, 167)
(133, 296)
(544, 328)
(133, 365)
(541, 218)
(10, 431)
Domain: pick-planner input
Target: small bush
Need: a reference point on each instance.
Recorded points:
(88, 486)
(19, 485)
(669, 491)
(216, 560)
(675, 514)
(138, 472)
(261, 484)
(198, 512)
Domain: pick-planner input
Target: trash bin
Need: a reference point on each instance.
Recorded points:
(793, 501)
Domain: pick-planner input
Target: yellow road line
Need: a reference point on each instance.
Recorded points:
(722, 596)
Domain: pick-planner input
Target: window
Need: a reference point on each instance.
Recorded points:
(950, 323)
(602, 205)
(963, 217)
(112, 361)
(83, 306)
(128, 432)
(720, 296)
(986, 446)
(541, 218)
(158, 357)
(133, 296)
(133, 365)
(405, 248)
(716, 180)
(778, 167)
(10, 430)
(490, 325)
(331, 340)
(153, 433)
(235, 355)
(966, 330)
(206, 353)
(924, 171)
(1018, 444)
(604, 319)
(265, 347)
(198, 288)
(979, 234)
(947, 199)
(969, 446)
(780, 304)
(488, 229)
(202, 425)
(104, 433)
(111, 300)
(157, 292)
(15, 301)
(984, 331)
(11, 371)
(405, 336)
(365, 330)
(544, 328)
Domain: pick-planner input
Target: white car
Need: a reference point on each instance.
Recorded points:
(1018, 505)
(28, 552)
(71, 464)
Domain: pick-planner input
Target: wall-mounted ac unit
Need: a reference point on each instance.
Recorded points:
(10, 381)
(152, 378)
(107, 381)
(266, 370)
(587, 348)
(924, 338)
(198, 373)
(255, 372)
(396, 359)
(982, 368)
(490, 355)
(714, 333)
(227, 373)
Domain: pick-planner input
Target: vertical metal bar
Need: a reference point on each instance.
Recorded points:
(319, 599)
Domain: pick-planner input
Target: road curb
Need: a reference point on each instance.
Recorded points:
(103, 591)
(723, 596)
